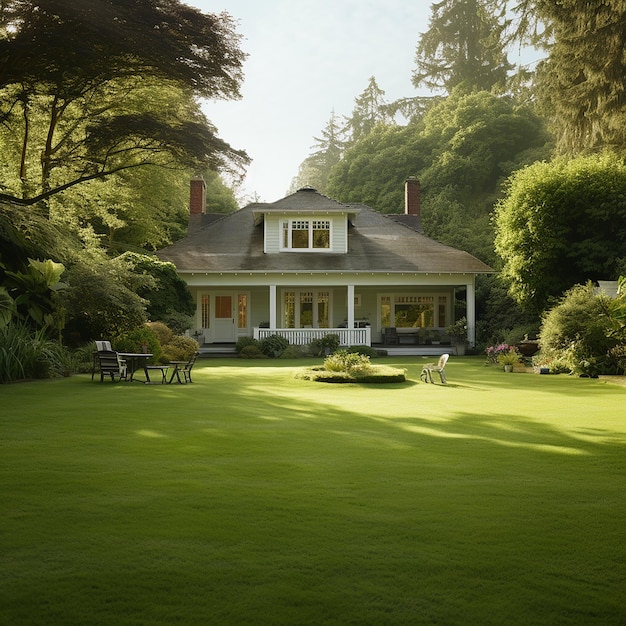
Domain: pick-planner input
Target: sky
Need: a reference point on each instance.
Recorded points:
(306, 59)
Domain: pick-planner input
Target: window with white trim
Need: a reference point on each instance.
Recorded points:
(305, 234)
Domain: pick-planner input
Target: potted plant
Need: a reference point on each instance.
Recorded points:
(508, 359)
(458, 335)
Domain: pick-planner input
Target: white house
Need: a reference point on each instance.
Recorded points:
(307, 265)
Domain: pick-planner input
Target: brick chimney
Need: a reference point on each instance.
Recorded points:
(197, 195)
(412, 196)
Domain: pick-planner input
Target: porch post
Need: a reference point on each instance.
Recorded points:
(350, 306)
(471, 312)
(272, 319)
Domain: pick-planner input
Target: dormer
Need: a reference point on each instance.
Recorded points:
(305, 222)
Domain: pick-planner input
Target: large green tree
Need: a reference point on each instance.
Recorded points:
(462, 46)
(89, 89)
(581, 85)
(562, 223)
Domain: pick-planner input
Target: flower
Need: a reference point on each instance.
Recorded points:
(458, 330)
(493, 352)
(509, 357)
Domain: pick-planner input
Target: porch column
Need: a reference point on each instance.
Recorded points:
(272, 319)
(350, 306)
(471, 312)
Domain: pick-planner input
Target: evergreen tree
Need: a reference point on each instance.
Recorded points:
(328, 150)
(581, 86)
(463, 46)
(370, 109)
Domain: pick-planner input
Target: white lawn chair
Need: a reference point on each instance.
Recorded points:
(439, 367)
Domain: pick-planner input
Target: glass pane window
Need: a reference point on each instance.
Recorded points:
(242, 310)
(223, 307)
(305, 234)
(206, 311)
(321, 233)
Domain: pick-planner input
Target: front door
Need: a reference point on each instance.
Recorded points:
(224, 322)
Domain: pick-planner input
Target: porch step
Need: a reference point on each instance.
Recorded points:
(210, 350)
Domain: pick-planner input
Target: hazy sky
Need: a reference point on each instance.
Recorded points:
(306, 58)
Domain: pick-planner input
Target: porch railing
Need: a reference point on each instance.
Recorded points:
(303, 336)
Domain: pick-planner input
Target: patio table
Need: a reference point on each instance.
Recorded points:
(134, 361)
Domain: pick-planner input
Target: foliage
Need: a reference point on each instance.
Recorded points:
(163, 333)
(462, 47)
(352, 363)
(458, 330)
(560, 224)
(178, 348)
(243, 342)
(273, 345)
(580, 86)
(102, 298)
(168, 293)
(509, 357)
(366, 350)
(294, 352)
(129, 99)
(494, 352)
(142, 339)
(576, 332)
(360, 373)
(251, 351)
(33, 291)
(23, 352)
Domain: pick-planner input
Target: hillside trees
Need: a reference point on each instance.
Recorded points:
(562, 223)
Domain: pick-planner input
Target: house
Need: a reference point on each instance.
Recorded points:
(307, 265)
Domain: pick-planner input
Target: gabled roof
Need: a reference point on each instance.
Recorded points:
(305, 200)
(376, 243)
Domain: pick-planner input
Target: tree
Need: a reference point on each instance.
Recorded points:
(315, 169)
(581, 86)
(562, 223)
(370, 110)
(463, 46)
(90, 89)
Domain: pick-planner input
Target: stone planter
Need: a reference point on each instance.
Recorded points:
(459, 349)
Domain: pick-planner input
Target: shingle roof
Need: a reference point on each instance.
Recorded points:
(376, 243)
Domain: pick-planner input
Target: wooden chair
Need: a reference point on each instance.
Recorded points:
(390, 335)
(184, 368)
(110, 363)
(439, 368)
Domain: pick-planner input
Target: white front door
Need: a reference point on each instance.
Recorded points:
(224, 320)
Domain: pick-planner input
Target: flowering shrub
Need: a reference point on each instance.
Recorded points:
(352, 363)
(493, 352)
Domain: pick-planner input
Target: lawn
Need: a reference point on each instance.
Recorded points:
(251, 497)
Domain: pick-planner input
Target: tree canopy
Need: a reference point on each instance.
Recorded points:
(462, 46)
(562, 223)
(93, 88)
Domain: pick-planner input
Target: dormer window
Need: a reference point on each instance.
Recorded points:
(305, 234)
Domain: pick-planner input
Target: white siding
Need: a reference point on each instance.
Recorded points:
(272, 234)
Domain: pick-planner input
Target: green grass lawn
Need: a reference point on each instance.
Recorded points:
(251, 497)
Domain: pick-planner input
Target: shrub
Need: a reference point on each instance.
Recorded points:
(163, 333)
(251, 352)
(179, 348)
(576, 332)
(245, 341)
(366, 350)
(353, 363)
(294, 352)
(273, 345)
(141, 339)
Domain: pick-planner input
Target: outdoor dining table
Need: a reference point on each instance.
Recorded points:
(134, 361)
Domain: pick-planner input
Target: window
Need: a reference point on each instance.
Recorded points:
(413, 311)
(306, 309)
(306, 234)
(206, 311)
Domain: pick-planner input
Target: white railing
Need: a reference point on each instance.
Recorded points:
(303, 336)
